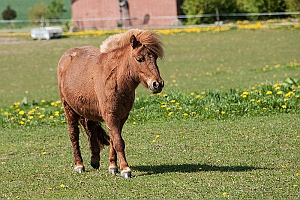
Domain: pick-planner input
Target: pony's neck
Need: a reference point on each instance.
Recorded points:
(127, 79)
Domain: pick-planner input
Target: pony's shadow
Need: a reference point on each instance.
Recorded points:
(191, 168)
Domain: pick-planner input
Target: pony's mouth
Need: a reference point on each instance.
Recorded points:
(156, 87)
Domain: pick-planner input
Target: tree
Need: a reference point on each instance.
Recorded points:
(38, 12)
(260, 6)
(292, 5)
(55, 9)
(9, 14)
(199, 7)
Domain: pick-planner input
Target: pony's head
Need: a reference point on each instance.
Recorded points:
(146, 48)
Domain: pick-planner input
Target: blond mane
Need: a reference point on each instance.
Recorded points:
(148, 38)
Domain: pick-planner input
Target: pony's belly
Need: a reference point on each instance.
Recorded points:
(87, 108)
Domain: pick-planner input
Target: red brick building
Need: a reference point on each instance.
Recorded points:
(110, 14)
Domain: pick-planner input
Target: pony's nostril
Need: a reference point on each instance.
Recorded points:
(155, 84)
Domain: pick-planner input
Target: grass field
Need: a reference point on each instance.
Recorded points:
(22, 7)
(247, 153)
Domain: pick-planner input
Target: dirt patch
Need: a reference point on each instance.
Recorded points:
(13, 40)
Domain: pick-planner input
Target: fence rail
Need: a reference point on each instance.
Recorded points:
(26, 22)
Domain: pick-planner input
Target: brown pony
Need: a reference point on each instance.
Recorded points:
(99, 86)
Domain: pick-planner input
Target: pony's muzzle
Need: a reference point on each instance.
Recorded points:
(156, 86)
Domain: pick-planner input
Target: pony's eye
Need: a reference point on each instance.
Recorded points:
(140, 59)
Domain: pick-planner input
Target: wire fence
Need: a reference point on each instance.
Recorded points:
(25, 24)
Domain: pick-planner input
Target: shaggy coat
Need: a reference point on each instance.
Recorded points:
(99, 86)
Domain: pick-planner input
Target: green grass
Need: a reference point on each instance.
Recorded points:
(22, 7)
(251, 151)
(250, 158)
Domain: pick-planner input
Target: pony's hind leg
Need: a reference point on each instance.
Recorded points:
(113, 167)
(90, 129)
(97, 138)
(73, 123)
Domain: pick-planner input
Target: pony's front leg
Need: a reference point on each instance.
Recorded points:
(117, 148)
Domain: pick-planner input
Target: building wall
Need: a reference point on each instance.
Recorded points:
(105, 14)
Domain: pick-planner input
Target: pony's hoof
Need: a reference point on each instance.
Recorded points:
(79, 169)
(112, 170)
(126, 174)
(95, 165)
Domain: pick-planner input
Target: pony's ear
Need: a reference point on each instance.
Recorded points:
(134, 43)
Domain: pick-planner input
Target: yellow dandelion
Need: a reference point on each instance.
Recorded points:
(44, 153)
(283, 106)
(21, 122)
(153, 141)
(170, 113)
(223, 112)
(185, 114)
(173, 101)
(289, 94)
(5, 113)
(62, 185)
(269, 92)
(41, 116)
(279, 92)
(134, 123)
(157, 136)
(264, 108)
(43, 100)
(21, 112)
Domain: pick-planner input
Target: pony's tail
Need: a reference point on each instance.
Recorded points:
(102, 137)
(95, 127)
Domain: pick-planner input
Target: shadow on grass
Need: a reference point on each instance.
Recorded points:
(190, 168)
